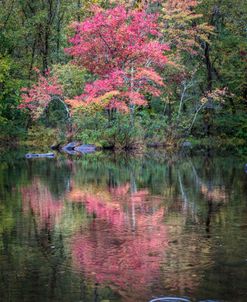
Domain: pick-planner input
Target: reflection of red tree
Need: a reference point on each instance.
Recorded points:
(115, 206)
(124, 244)
(115, 256)
(38, 199)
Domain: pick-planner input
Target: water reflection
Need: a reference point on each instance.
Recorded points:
(122, 230)
(41, 204)
(125, 242)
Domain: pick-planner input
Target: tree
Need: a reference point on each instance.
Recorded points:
(227, 48)
(187, 34)
(183, 27)
(122, 49)
(38, 96)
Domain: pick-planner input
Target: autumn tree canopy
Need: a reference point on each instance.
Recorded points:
(122, 49)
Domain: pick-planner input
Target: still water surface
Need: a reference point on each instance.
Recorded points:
(115, 228)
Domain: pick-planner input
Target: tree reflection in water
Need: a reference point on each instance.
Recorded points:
(127, 244)
(124, 243)
(38, 199)
(136, 230)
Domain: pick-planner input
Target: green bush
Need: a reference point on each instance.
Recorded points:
(115, 132)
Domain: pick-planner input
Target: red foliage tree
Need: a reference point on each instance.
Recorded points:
(37, 97)
(121, 47)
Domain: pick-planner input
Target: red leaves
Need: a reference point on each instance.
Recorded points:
(38, 96)
(122, 48)
(113, 38)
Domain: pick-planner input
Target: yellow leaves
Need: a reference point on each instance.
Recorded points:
(105, 98)
(88, 7)
(137, 4)
(73, 103)
(217, 95)
(95, 104)
(182, 26)
(203, 100)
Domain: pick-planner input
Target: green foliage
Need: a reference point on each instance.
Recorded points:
(12, 120)
(72, 78)
(229, 125)
(122, 134)
(55, 116)
(228, 45)
(110, 132)
(155, 126)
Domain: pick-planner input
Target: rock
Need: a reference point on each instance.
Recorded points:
(70, 146)
(85, 148)
(38, 155)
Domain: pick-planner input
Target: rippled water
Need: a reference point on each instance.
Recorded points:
(116, 228)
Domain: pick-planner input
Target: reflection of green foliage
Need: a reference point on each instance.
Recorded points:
(74, 219)
(41, 137)
(6, 222)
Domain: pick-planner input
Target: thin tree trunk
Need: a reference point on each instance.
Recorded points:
(46, 49)
(209, 67)
(132, 106)
(59, 19)
(195, 116)
(32, 58)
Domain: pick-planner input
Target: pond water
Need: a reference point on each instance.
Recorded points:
(118, 228)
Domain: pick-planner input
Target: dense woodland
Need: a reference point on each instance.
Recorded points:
(123, 74)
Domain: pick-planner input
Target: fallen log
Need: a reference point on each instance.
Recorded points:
(39, 155)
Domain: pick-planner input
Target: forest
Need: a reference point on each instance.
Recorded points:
(123, 74)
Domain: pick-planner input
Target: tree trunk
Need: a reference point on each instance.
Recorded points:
(132, 106)
(32, 58)
(208, 111)
(209, 67)
(78, 8)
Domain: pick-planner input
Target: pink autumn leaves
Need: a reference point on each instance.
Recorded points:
(121, 48)
(38, 97)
